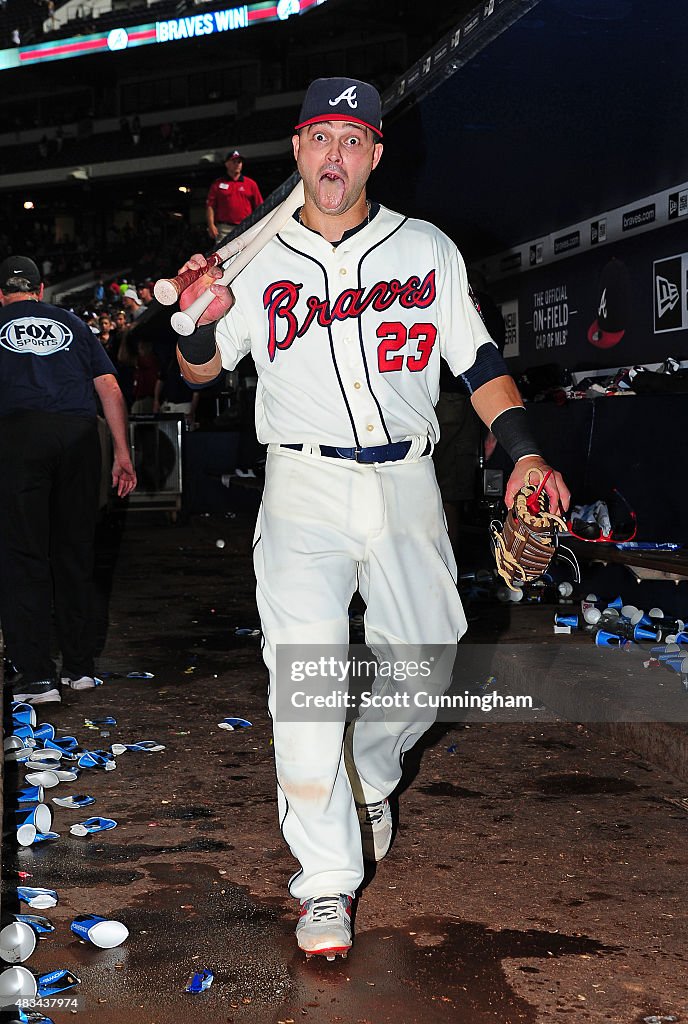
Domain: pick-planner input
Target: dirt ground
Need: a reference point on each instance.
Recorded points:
(537, 873)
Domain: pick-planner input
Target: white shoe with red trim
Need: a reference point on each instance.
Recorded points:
(324, 926)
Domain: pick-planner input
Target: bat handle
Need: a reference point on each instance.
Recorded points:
(168, 289)
(184, 322)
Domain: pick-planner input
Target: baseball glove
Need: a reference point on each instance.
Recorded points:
(526, 542)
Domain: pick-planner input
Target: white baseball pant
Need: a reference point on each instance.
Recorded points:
(326, 528)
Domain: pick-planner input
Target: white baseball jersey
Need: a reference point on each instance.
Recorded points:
(347, 354)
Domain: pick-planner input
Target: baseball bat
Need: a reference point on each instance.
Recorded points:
(256, 238)
(168, 289)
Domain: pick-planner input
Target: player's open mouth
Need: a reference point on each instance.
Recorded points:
(331, 189)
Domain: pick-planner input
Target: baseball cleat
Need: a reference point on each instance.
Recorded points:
(324, 926)
(376, 829)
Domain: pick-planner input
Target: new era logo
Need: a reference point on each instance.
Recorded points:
(667, 295)
(669, 291)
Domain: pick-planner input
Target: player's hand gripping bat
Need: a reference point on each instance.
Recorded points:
(239, 252)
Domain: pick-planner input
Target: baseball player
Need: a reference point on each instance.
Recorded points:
(232, 198)
(347, 312)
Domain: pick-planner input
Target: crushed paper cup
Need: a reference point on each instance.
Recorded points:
(80, 800)
(36, 897)
(148, 746)
(31, 821)
(47, 779)
(44, 731)
(100, 931)
(17, 942)
(200, 981)
(66, 774)
(140, 675)
(17, 983)
(56, 981)
(25, 733)
(67, 744)
(234, 723)
(91, 825)
(30, 795)
(43, 837)
(246, 631)
(40, 925)
(17, 753)
(37, 766)
(52, 753)
(97, 759)
(25, 713)
(108, 720)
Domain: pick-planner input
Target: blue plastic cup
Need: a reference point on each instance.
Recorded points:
(30, 821)
(36, 897)
(646, 633)
(30, 795)
(41, 925)
(566, 620)
(17, 942)
(17, 983)
(605, 639)
(45, 731)
(56, 981)
(616, 603)
(24, 713)
(100, 931)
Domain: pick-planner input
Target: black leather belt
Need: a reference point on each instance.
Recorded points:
(394, 452)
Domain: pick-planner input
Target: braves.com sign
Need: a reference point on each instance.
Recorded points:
(670, 290)
(35, 335)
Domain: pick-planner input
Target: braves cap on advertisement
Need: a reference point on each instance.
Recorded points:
(19, 266)
(233, 154)
(342, 99)
(612, 311)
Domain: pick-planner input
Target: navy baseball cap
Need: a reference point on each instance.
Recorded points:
(233, 154)
(342, 99)
(609, 327)
(21, 267)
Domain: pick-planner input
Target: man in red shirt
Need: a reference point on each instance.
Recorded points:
(231, 198)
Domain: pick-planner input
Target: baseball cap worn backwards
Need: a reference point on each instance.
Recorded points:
(342, 99)
(19, 267)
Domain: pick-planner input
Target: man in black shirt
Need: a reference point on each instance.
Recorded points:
(52, 367)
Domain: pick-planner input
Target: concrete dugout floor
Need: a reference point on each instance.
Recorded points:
(538, 872)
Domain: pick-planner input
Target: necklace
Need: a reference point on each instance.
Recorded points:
(367, 220)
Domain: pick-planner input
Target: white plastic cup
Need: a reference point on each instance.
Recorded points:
(31, 820)
(17, 983)
(99, 931)
(17, 942)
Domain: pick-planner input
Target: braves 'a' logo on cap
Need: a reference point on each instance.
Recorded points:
(349, 95)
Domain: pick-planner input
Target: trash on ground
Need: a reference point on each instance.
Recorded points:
(80, 800)
(92, 825)
(56, 981)
(200, 981)
(140, 675)
(100, 931)
(37, 897)
(17, 942)
(234, 723)
(148, 746)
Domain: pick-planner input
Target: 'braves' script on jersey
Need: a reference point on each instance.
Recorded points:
(281, 297)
